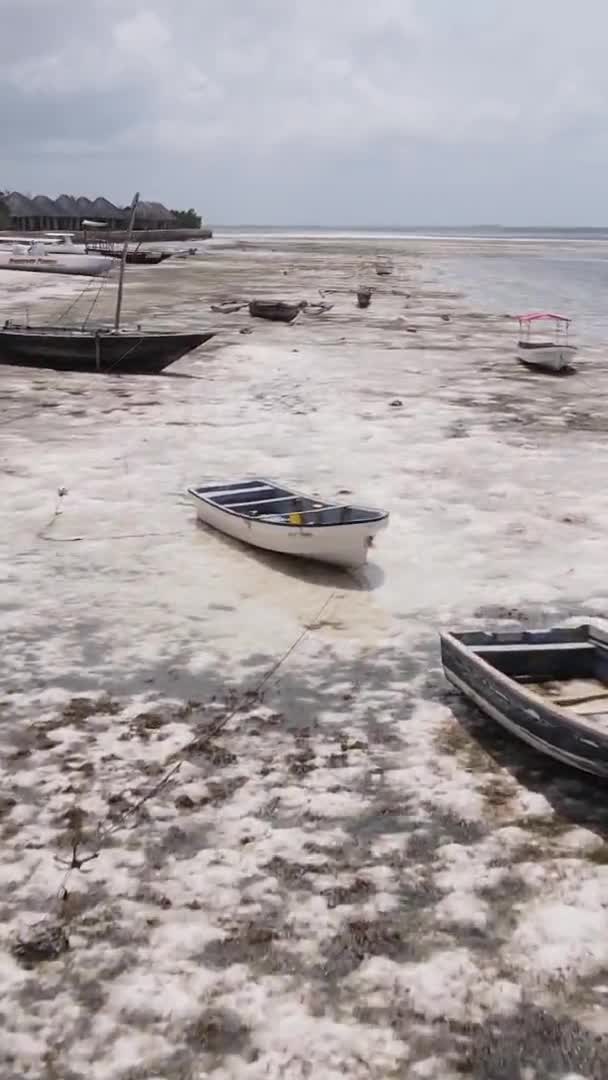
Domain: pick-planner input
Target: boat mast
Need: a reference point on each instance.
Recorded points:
(123, 259)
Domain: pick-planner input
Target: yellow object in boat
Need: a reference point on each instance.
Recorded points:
(295, 518)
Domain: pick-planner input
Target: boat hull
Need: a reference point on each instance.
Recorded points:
(138, 258)
(547, 728)
(274, 310)
(79, 265)
(345, 545)
(548, 357)
(111, 353)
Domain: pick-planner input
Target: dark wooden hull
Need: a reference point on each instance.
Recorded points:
(135, 353)
(537, 655)
(276, 311)
(136, 258)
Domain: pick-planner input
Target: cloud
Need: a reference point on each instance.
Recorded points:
(271, 87)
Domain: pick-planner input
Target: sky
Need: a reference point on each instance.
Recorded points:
(312, 112)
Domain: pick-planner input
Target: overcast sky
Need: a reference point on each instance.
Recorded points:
(329, 112)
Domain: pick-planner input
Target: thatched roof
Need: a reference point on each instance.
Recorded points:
(19, 205)
(103, 208)
(44, 207)
(153, 211)
(160, 211)
(67, 205)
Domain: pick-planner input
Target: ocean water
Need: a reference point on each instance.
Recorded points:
(506, 271)
(567, 277)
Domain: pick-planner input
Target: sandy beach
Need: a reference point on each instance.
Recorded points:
(350, 873)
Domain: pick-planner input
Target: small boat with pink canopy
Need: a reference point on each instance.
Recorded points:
(552, 354)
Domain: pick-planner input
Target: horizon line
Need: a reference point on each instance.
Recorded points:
(406, 228)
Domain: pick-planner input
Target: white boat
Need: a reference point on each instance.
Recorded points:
(37, 257)
(63, 244)
(262, 513)
(552, 355)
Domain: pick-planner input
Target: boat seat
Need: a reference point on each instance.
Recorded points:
(214, 492)
(562, 646)
(256, 502)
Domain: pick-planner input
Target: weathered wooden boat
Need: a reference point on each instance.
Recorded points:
(275, 310)
(98, 348)
(108, 350)
(548, 354)
(135, 258)
(262, 513)
(548, 687)
(384, 267)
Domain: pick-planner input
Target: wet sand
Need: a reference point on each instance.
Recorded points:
(351, 873)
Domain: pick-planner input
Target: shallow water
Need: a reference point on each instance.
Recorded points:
(570, 278)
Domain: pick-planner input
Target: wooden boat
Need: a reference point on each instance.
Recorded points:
(384, 267)
(550, 355)
(548, 687)
(262, 513)
(135, 258)
(103, 349)
(108, 350)
(275, 310)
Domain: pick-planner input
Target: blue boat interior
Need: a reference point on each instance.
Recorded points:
(543, 656)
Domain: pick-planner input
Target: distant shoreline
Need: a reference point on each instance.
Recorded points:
(474, 232)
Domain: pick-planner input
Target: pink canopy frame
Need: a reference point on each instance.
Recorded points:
(535, 315)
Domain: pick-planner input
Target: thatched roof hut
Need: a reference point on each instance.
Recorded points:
(83, 206)
(66, 204)
(159, 212)
(45, 207)
(19, 205)
(103, 208)
(42, 214)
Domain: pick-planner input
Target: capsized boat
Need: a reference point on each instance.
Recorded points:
(548, 354)
(270, 516)
(548, 687)
(275, 310)
(110, 349)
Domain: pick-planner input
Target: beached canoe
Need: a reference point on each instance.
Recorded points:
(275, 310)
(548, 687)
(272, 517)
